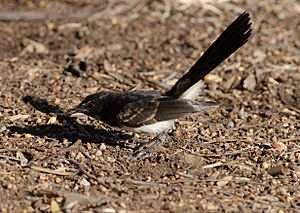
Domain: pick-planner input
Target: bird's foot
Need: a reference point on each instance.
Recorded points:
(146, 148)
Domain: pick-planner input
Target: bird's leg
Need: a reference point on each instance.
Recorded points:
(153, 143)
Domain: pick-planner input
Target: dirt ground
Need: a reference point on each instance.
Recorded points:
(242, 157)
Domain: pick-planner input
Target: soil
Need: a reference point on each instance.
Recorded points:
(242, 157)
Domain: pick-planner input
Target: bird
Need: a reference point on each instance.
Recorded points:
(154, 111)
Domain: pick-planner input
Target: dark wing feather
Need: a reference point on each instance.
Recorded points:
(135, 109)
(170, 108)
(140, 110)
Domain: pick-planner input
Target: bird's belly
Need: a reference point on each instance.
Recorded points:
(156, 127)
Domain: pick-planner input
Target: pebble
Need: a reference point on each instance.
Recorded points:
(108, 210)
(265, 165)
(85, 183)
(3, 128)
(98, 153)
(102, 147)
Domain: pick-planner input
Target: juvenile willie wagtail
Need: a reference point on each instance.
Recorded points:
(155, 112)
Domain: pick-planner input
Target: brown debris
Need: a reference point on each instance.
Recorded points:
(278, 170)
(242, 157)
(250, 82)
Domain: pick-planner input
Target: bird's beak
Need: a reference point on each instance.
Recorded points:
(75, 112)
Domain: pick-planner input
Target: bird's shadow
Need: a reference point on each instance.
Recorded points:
(66, 127)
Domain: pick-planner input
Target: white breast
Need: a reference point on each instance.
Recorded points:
(156, 127)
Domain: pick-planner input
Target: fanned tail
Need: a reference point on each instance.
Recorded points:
(235, 36)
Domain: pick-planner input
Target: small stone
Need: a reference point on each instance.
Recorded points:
(22, 158)
(230, 124)
(85, 183)
(111, 160)
(57, 101)
(225, 181)
(58, 180)
(98, 153)
(241, 69)
(79, 156)
(297, 173)
(55, 207)
(89, 146)
(27, 135)
(250, 82)
(51, 25)
(108, 210)
(52, 120)
(3, 128)
(265, 165)
(213, 78)
(249, 139)
(211, 207)
(274, 139)
(102, 146)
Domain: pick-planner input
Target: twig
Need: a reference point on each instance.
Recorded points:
(50, 171)
(294, 109)
(292, 152)
(10, 158)
(84, 171)
(289, 139)
(123, 167)
(69, 148)
(213, 165)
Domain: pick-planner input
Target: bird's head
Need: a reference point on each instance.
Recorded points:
(92, 106)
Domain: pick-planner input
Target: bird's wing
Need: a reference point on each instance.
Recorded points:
(171, 108)
(138, 110)
(145, 109)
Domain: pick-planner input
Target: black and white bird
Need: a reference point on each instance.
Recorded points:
(155, 112)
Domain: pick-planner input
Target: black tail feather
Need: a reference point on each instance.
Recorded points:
(235, 36)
